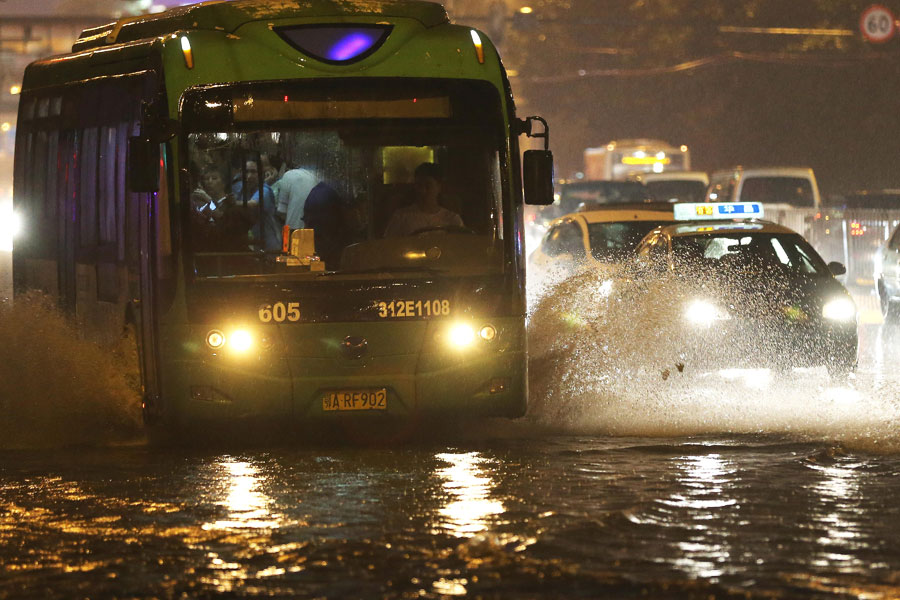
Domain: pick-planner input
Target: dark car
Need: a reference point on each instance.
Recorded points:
(756, 294)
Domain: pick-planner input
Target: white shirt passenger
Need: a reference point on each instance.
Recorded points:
(292, 190)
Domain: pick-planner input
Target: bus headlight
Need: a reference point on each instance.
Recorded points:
(461, 335)
(839, 309)
(240, 340)
(487, 333)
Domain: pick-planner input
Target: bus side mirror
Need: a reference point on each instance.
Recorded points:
(538, 173)
(143, 164)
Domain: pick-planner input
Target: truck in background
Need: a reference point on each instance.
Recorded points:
(623, 159)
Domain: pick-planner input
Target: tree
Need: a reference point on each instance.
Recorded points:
(736, 82)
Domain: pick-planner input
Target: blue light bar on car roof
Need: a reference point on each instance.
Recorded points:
(681, 229)
(708, 211)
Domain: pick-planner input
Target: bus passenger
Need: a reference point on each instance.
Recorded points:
(426, 211)
(266, 227)
(324, 213)
(293, 188)
(210, 193)
(220, 223)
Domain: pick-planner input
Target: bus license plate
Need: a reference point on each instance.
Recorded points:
(355, 400)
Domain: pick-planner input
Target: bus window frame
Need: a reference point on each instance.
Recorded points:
(504, 142)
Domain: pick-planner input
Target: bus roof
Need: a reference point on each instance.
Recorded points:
(228, 16)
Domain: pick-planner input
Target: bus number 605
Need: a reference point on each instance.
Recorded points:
(280, 312)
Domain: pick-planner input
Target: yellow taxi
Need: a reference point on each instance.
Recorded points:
(601, 235)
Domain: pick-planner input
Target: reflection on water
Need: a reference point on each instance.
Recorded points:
(836, 513)
(247, 506)
(706, 500)
(467, 486)
(247, 509)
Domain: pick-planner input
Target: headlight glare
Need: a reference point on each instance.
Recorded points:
(461, 335)
(240, 340)
(839, 309)
(704, 313)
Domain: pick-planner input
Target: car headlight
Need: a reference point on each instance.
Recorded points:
(839, 309)
(704, 313)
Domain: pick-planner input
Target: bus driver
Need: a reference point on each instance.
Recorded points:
(426, 212)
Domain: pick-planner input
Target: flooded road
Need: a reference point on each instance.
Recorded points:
(639, 484)
(553, 516)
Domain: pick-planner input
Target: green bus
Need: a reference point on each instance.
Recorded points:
(298, 212)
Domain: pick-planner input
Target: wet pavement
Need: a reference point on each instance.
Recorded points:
(695, 485)
(534, 516)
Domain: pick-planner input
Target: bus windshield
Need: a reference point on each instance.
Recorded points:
(380, 178)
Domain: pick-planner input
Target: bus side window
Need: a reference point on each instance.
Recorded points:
(87, 189)
(123, 130)
(132, 217)
(107, 186)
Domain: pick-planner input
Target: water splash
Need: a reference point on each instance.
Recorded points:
(55, 388)
(610, 356)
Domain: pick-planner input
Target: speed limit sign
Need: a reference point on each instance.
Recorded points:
(877, 24)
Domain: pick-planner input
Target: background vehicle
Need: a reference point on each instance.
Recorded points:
(790, 194)
(854, 229)
(604, 235)
(572, 196)
(774, 187)
(757, 293)
(623, 158)
(675, 186)
(887, 277)
(427, 323)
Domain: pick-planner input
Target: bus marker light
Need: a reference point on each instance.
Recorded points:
(188, 53)
(241, 340)
(461, 335)
(487, 333)
(215, 339)
(479, 47)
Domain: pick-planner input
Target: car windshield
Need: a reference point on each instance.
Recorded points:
(612, 242)
(748, 254)
(793, 191)
(677, 190)
(380, 178)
